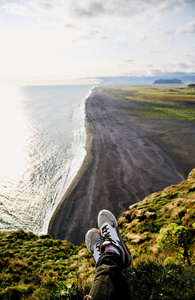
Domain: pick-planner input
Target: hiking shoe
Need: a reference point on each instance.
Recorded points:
(110, 235)
(93, 242)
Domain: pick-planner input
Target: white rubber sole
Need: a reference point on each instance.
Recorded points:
(108, 215)
(88, 237)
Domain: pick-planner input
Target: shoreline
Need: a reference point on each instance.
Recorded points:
(71, 173)
(68, 189)
(122, 165)
(70, 186)
(70, 178)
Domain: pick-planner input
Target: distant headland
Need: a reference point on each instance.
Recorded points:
(168, 81)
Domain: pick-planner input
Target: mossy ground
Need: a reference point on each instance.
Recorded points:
(159, 102)
(31, 265)
(141, 224)
(35, 267)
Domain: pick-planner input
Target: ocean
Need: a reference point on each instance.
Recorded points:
(42, 146)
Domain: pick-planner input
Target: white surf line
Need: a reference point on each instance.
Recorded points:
(72, 169)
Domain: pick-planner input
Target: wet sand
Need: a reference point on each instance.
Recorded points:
(128, 158)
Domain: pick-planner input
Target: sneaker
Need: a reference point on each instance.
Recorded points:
(93, 242)
(110, 235)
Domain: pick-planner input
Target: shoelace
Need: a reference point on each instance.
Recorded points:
(106, 236)
(98, 245)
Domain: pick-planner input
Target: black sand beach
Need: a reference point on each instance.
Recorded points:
(128, 158)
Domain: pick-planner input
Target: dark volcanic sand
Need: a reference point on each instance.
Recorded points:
(132, 157)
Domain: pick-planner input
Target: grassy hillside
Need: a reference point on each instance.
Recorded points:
(33, 267)
(141, 224)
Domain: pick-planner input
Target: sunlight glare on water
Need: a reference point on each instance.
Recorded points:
(13, 132)
(40, 130)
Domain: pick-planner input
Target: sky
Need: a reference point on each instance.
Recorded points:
(74, 41)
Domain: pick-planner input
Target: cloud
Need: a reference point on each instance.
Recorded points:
(189, 49)
(127, 60)
(170, 5)
(99, 36)
(83, 13)
(100, 8)
(41, 6)
(71, 26)
(156, 35)
(183, 65)
(93, 35)
(179, 63)
(158, 50)
(186, 28)
(26, 9)
(124, 8)
(18, 9)
(88, 9)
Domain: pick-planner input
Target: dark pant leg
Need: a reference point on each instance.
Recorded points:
(109, 282)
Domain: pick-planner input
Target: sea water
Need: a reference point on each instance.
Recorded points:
(42, 139)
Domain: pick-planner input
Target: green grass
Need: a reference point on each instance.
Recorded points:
(151, 279)
(173, 93)
(162, 103)
(33, 267)
(165, 112)
(175, 204)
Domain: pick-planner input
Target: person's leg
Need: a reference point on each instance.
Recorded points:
(109, 282)
(110, 255)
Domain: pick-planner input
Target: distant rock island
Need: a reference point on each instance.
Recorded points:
(168, 81)
(191, 85)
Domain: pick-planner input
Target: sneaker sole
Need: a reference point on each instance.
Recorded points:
(88, 237)
(109, 216)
